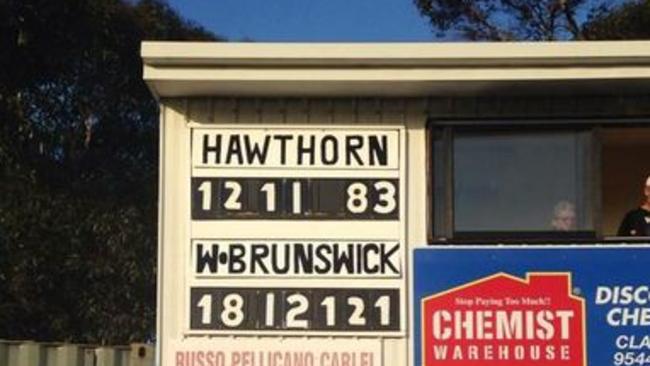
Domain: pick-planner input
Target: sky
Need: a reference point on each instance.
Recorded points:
(308, 20)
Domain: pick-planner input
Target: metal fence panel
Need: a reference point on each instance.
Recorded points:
(29, 353)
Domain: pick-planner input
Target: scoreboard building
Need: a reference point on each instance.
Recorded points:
(401, 204)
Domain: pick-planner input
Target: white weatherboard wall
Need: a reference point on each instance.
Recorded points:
(337, 89)
(181, 116)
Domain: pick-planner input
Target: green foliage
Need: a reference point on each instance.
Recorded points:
(78, 168)
(536, 20)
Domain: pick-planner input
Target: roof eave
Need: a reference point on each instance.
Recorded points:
(405, 69)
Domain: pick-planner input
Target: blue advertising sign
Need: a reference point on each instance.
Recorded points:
(548, 305)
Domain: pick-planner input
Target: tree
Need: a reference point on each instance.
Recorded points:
(629, 21)
(534, 20)
(78, 168)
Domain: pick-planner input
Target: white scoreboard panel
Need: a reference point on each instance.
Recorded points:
(296, 246)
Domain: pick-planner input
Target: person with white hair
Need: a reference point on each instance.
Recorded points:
(564, 216)
(637, 221)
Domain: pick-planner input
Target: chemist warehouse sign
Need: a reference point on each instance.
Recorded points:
(552, 306)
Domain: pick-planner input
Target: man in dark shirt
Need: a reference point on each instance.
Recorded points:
(637, 222)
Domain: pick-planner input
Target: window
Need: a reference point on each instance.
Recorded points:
(624, 168)
(533, 183)
(521, 182)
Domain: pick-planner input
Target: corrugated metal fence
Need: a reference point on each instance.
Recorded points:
(16, 353)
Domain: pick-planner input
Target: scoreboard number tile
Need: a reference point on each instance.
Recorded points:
(294, 309)
(302, 198)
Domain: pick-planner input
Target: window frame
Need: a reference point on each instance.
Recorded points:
(448, 128)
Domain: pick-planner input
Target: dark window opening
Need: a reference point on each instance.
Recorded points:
(625, 165)
(540, 183)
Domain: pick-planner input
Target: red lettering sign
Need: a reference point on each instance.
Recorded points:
(504, 320)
